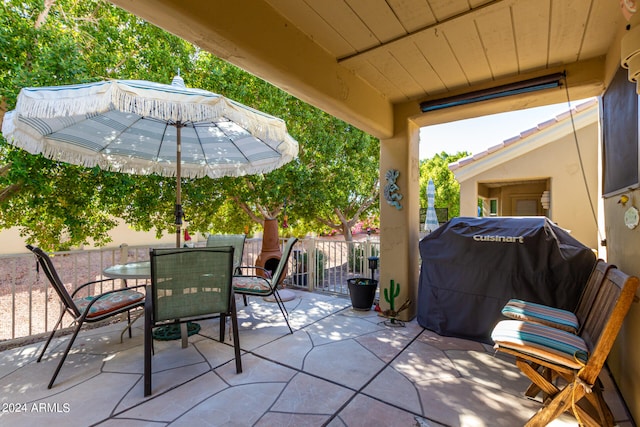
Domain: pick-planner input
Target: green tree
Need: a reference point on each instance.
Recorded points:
(343, 174)
(53, 43)
(447, 188)
(333, 182)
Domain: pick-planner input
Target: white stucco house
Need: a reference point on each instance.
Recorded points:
(551, 170)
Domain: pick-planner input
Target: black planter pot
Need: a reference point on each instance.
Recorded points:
(362, 292)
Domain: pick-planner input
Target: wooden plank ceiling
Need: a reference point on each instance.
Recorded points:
(415, 49)
(360, 60)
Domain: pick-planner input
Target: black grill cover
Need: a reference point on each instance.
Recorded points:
(471, 267)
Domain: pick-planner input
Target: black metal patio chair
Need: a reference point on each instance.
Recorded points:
(262, 283)
(85, 309)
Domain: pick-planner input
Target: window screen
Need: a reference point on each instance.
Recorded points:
(620, 135)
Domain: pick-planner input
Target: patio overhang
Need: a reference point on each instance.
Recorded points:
(256, 38)
(358, 63)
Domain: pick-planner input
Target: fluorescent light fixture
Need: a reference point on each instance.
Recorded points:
(525, 86)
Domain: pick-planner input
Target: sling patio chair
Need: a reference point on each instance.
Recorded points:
(575, 360)
(85, 309)
(261, 283)
(235, 240)
(189, 284)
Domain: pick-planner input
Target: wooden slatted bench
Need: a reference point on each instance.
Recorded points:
(577, 359)
(558, 318)
(570, 321)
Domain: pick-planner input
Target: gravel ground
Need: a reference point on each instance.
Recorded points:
(28, 304)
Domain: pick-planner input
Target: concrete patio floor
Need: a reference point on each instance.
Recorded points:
(340, 368)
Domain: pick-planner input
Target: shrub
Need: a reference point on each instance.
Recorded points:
(302, 263)
(358, 259)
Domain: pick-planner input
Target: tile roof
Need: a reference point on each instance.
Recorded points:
(523, 135)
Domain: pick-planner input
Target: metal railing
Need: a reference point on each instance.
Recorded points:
(30, 307)
(324, 265)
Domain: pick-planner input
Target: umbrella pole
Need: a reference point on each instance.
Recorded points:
(184, 334)
(178, 184)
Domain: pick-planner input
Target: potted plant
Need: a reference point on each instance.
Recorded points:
(362, 292)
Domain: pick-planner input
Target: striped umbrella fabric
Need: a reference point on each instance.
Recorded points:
(140, 127)
(431, 220)
(131, 126)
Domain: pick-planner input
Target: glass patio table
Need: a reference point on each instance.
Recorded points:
(132, 270)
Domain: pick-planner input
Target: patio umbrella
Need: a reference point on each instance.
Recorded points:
(431, 220)
(141, 127)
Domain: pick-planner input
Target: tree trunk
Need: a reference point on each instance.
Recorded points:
(346, 231)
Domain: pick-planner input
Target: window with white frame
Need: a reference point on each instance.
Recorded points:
(493, 207)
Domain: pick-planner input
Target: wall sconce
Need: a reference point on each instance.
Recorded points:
(630, 49)
(545, 200)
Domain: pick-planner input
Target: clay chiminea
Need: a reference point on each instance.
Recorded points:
(270, 254)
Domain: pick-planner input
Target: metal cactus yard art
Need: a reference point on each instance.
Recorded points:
(390, 295)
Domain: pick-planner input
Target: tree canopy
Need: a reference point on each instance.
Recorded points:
(332, 184)
(447, 188)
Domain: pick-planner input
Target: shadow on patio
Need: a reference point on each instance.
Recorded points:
(340, 368)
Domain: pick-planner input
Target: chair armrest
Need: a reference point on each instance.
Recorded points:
(256, 268)
(93, 282)
(113, 291)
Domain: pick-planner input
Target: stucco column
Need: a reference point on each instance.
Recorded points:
(469, 198)
(399, 228)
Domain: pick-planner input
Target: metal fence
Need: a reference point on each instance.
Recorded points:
(325, 265)
(30, 307)
(441, 213)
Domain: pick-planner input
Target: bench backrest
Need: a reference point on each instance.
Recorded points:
(605, 318)
(590, 291)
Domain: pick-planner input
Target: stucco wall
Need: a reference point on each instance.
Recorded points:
(558, 161)
(399, 236)
(623, 248)
(11, 242)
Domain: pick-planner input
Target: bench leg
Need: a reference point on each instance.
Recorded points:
(560, 403)
(541, 382)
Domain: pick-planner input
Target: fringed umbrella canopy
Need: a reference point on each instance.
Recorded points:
(141, 127)
(131, 126)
